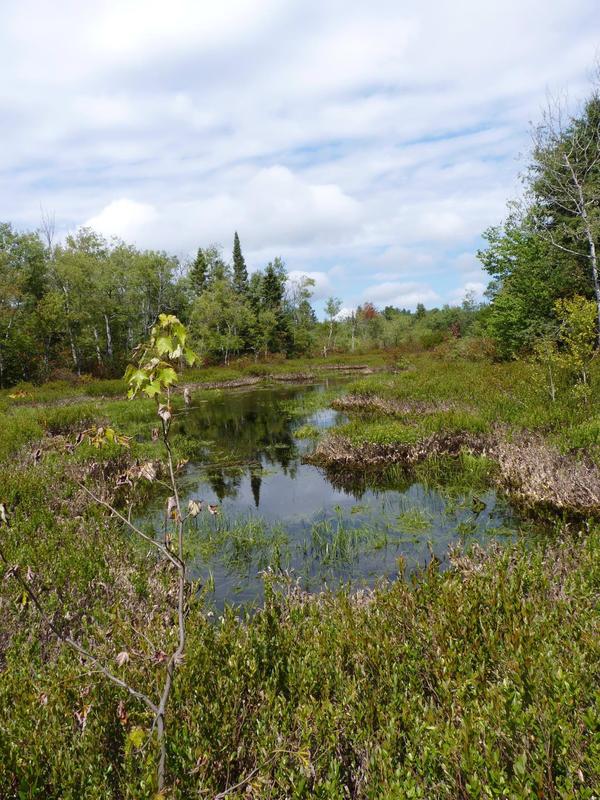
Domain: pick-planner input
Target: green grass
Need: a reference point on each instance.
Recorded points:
(483, 395)
(476, 682)
(307, 432)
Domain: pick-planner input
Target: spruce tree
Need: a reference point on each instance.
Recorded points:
(198, 273)
(273, 287)
(240, 273)
(273, 299)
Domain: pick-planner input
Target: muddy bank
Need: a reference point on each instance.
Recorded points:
(281, 377)
(529, 469)
(381, 405)
(364, 368)
(235, 383)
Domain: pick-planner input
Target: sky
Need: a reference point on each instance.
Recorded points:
(368, 144)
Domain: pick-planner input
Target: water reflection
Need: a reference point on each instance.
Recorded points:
(279, 512)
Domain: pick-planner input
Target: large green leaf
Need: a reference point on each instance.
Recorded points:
(164, 344)
(167, 376)
(153, 388)
(190, 356)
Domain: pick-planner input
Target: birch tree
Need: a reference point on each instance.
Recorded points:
(565, 183)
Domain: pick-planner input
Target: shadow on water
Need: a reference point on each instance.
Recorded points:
(276, 512)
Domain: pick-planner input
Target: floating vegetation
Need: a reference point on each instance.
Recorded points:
(415, 520)
(307, 432)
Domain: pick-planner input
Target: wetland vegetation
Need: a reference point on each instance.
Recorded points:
(475, 667)
(350, 558)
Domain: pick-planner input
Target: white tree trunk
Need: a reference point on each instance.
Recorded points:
(109, 345)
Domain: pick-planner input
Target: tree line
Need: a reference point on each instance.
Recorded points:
(82, 305)
(546, 250)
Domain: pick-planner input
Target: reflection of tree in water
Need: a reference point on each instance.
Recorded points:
(243, 427)
(374, 480)
(223, 485)
(255, 482)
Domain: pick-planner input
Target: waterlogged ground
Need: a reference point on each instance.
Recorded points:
(275, 512)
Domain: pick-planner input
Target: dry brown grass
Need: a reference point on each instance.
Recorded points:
(538, 475)
(381, 405)
(530, 470)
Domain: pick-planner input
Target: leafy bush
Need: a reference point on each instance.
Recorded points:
(431, 339)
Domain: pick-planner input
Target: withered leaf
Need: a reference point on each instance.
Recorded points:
(122, 658)
(81, 716)
(164, 412)
(148, 471)
(194, 508)
(172, 512)
(122, 713)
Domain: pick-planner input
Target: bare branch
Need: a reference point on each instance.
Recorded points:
(159, 546)
(72, 643)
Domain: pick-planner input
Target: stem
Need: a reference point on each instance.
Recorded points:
(164, 550)
(589, 236)
(177, 656)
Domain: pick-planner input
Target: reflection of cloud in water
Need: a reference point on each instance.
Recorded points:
(335, 527)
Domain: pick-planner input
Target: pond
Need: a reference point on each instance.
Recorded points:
(276, 512)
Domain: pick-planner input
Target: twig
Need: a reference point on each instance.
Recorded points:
(165, 551)
(71, 642)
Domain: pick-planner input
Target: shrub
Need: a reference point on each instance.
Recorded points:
(430, 339)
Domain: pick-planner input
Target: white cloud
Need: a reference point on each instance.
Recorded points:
(402, 295)
(272, 208)
(124, 218)
(382, 137)
(466, 262)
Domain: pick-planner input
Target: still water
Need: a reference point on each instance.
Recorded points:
(276, 512)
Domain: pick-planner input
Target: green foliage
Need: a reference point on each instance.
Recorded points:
(566, 357)
(219, 321)
(240, 273)
(482, 677)
(578, 333)
(154, 373)
(529, 275)
(82, 305)
(198, 272)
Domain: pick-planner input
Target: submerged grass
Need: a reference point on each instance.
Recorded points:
(307, 432)
(414, 520)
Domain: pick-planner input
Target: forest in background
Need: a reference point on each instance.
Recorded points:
(82, 305)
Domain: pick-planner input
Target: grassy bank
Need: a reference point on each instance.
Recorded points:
(477, 682)
(548, 452)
